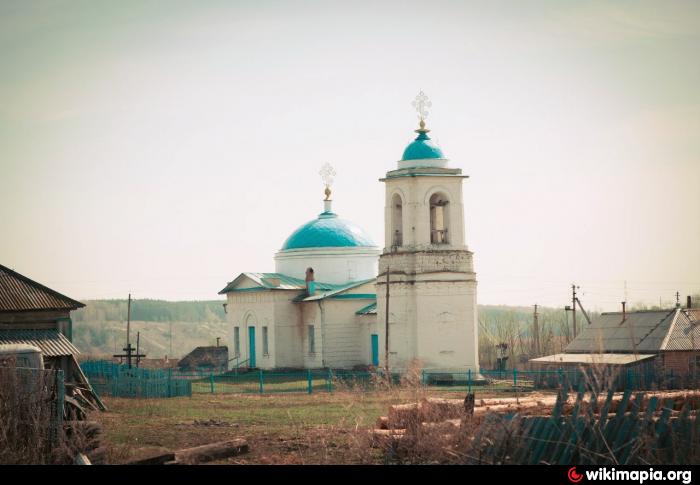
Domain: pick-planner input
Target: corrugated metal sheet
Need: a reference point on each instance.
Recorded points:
(685, 333)
(640, 332)
(604, 359)
(51, 342)
(19, 293)
(368, 310)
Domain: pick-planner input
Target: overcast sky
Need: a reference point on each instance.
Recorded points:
(161, 148)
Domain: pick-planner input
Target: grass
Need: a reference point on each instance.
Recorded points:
(281, 428)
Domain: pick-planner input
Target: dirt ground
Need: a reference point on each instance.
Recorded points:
(280, 428)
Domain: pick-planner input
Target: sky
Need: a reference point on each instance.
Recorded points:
(163, 147)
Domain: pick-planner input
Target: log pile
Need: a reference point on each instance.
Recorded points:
(449, 416)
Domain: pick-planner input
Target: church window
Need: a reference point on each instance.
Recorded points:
(438, 219)
(396, 220)
(312, 339)
(265, 344)
(236, 342)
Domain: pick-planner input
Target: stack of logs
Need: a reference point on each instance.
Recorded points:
(451, 415)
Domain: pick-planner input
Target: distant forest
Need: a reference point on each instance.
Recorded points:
(151, 311)
(175, 328)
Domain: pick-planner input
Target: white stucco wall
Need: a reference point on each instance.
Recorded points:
(415, 193)
(342, 338)
(331, 265)
(432, 304)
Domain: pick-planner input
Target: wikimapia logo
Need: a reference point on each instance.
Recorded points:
(629, 475)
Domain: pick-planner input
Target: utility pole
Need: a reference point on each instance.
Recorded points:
(536, 332)
(573, 306)
(129, 350)
(678, 299)
(386, 327)
(171, 339)
(138, 344)
(128, 323)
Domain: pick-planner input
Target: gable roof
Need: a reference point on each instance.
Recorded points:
(279, 281)
(685, 331)
(644, 331)
(19, 293)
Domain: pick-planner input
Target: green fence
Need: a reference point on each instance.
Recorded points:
(110, 378)
(527, 380)
(120, 381)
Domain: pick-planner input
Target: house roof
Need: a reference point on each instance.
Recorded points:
(644, 331)
(201, 356)
(51, 342)
(19, 293)
(604, 359)
(685, 331)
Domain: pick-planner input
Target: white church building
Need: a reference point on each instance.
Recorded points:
(326, 304)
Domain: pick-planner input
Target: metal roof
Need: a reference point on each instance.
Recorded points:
(639, 332)
(685, 331)
(370, 309)
(605, 359)
(279, 281)
(51, 342)
(19, 293)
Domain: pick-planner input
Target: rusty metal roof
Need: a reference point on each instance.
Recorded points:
(51, 342)
(19, 293)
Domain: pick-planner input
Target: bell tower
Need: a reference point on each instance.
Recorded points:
(432, 284)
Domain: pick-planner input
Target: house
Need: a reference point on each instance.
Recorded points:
(661, 345)
(33, 314)
(214, 358)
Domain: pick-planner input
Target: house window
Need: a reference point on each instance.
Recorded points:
(312, 339)
(265, 347)
(236, 342)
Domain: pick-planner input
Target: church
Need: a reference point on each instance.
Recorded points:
(335, 295)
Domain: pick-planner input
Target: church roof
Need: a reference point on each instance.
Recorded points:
(328, 230)
(279, 281)
(422, 148)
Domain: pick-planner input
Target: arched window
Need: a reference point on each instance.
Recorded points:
(396, 220)
(439, 219)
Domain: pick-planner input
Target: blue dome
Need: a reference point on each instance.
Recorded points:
(328, 231)
(421, 148)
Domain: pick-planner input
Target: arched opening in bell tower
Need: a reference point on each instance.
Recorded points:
(439, 217)
(396, 220)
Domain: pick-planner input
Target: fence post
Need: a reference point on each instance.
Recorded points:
(211, 381)
(60, 397)
(261, 382)
(170, 382)
(309, 381)
(515, 377)
(422, 377)
(469, 381)
(329, 381)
